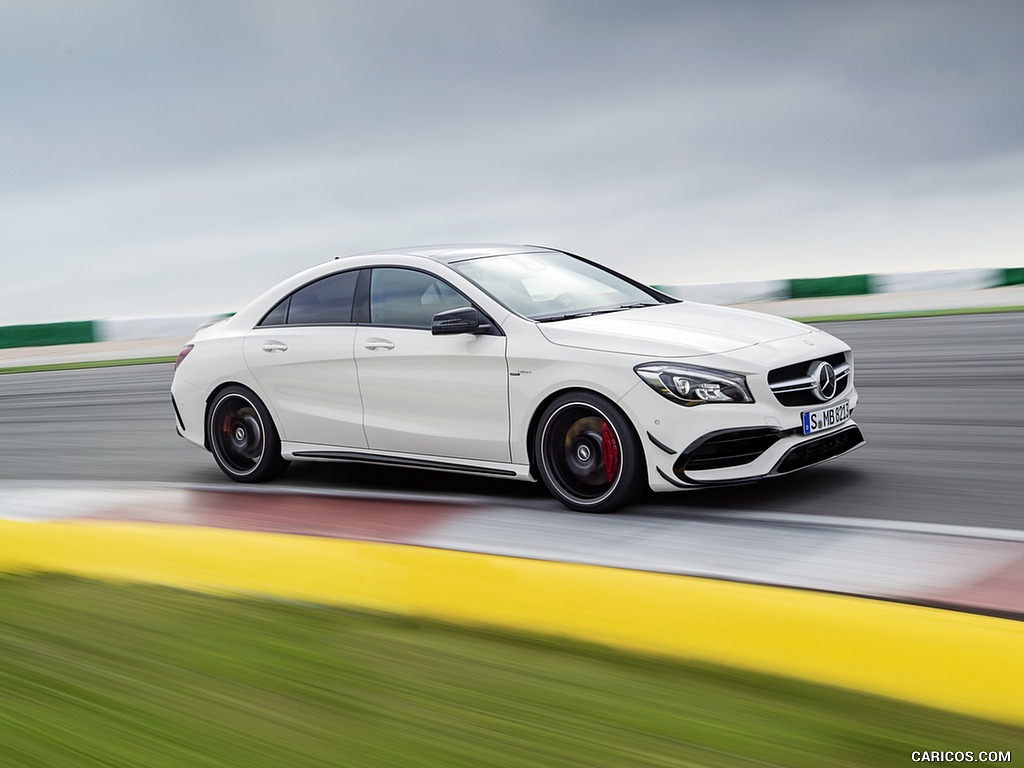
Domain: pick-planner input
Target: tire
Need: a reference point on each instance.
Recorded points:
(243, 438)
(587, 453)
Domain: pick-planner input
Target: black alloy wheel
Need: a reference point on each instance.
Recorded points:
(587, 453)
(243, 438)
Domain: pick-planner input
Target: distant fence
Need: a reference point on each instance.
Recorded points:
(45, 334)
(846, 285)
(132, 328)
(115, 329)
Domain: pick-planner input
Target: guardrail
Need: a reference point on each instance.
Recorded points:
(847, 285)
(139, 328)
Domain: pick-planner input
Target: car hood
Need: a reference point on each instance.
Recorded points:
(685, 329)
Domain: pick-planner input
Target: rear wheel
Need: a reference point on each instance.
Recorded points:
(587, 453)
(242, 437)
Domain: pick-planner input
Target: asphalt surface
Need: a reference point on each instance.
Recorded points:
(941, 406)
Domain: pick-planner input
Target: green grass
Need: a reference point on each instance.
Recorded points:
(912, 313)
(40, 367)
(106, 675)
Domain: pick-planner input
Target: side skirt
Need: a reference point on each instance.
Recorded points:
(510, 471)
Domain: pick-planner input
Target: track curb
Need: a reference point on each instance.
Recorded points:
(955, 661)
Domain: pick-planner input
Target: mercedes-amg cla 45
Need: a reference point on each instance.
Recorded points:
(512, 361)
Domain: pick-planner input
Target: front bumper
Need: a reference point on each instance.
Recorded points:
(730, 444)
(783, 455)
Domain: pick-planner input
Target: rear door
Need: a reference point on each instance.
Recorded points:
(301, 355)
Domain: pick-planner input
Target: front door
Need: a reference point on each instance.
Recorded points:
(442, 396)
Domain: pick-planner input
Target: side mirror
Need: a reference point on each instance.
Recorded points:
(460, 320)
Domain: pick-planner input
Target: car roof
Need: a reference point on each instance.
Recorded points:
(451, 253)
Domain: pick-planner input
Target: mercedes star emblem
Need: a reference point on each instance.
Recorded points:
(823, 380)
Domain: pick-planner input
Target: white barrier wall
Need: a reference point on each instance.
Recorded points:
(939, 280)
(140, 328)
(730, 293)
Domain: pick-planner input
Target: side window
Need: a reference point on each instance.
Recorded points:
(327, 301)
(278, 315)
(409, 298)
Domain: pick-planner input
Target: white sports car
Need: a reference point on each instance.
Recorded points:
(512, 361)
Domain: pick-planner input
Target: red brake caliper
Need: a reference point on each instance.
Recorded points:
(609, 451)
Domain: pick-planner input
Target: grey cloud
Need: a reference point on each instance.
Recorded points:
(153, 134)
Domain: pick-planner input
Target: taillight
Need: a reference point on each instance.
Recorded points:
(181, 355)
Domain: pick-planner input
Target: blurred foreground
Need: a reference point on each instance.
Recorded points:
(102, 675)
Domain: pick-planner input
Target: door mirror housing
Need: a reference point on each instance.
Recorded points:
(459, 320)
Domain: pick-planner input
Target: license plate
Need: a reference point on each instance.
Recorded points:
(825, 418)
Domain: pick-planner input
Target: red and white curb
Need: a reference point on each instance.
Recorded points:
(971, 569)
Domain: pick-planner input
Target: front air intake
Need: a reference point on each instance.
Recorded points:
(726, 449)
(820, 449)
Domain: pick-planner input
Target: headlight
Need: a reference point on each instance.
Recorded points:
(693, 385)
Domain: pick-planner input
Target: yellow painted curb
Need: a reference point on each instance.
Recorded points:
(954, 661)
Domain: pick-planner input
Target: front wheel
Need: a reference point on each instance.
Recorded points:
(587, 453)
(243, 438)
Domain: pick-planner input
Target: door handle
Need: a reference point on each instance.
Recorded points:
(379, 344)
(274, 346)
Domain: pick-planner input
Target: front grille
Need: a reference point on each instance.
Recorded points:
(792, 384)
(820, 449)
(728, 449)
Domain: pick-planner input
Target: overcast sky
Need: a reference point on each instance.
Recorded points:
(179, 156)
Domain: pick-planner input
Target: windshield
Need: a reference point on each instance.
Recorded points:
(553, 286)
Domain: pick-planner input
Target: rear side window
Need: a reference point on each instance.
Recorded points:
(328, 301)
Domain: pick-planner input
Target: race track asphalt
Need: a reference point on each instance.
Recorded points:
(941, 406)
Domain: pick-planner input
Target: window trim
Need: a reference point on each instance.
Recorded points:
(361, 301)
